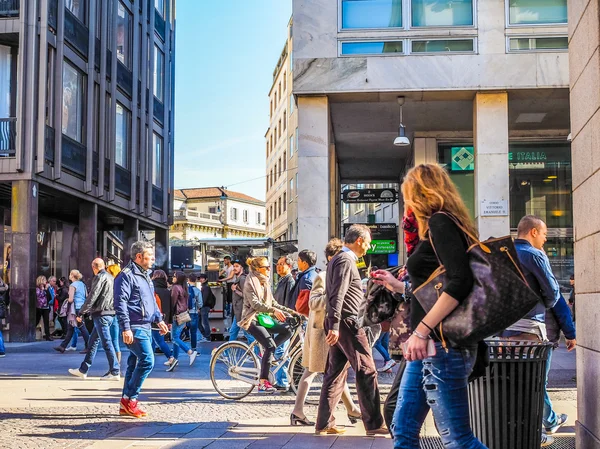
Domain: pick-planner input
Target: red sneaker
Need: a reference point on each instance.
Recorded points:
(127, 409)
(134, 404)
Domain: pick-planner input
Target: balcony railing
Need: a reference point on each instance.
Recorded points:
(196, 217)
(8, 137)
(9, 8)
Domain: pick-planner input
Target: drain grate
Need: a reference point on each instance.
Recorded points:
(559, 443)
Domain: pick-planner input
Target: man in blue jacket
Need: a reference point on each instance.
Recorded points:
(136, 309)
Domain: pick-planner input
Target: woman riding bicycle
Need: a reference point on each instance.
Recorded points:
(257, 316)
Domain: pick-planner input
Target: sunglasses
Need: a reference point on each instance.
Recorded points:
(265, 266)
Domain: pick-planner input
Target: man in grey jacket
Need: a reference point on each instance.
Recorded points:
(100, 305)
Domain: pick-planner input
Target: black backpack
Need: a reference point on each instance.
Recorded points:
(210, 299)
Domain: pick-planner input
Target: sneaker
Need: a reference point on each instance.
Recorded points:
(168, 362)
(172, 365)
(126, 409)
(134, 404)
(70, 348)
(266, 387)
(561, 419)
(77, 373)
(2, 354)
(388, 366)
(110, 376)
(547, 440)
(193, 356)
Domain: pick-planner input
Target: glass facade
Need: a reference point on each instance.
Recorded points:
(371, 48)
(537, 12)
(443, 46)
(157, 159)
(371, 14)
(77, 8)
(124, 35)
(122, 137)
(538, 43)
(159, 70)
(428, 13)
(73, 99)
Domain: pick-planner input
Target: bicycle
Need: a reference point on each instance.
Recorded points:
(235, 366)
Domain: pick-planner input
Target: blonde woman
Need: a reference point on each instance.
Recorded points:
(77, 295)
(42, 307)
(258, 299)
(440, 379)
(315, 349)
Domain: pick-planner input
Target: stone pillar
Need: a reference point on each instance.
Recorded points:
(131, 234)
(161, 248)
(584, 74)
(490, 138)
(314, 181)
(24, 221)
(88, 238)
(425, 151)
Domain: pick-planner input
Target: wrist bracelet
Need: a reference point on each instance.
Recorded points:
(420, 335)
(426, 325)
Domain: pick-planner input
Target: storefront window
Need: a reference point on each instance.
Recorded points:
(371, 13)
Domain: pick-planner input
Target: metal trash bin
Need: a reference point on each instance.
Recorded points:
(507, 403)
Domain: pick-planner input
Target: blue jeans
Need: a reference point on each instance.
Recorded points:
(439, 383)
(193, 327)
(159, 340)
(549, 417)
(101, 334)
(234, 330)
(382, 346)
(139, 363)
(281, 377)
(204, 324)
(115, 334)
(2, 348)
(177, 341)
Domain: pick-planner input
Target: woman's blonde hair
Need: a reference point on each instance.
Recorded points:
(40, 281)
(428, 189)
(113, 270)
(256, 262)
(75, 274)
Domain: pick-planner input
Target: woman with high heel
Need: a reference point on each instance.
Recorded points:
(315, 349)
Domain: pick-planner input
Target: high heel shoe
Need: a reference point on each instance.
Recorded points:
(296, 420)
(354, 418)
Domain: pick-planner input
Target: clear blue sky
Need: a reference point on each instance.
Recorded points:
(226, 52)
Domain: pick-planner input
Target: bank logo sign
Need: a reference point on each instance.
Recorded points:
(463, 159)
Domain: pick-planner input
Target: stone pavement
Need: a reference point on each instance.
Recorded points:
(42, 406)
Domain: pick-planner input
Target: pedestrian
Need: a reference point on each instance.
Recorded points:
(179, 304)
(349, 345)
(208, 302)
(284, 295)
(115, 332)
(194, 305)
(572, 296)
(43, 305)
(162, 296)
(381, 345)
(237, 299)
(228, 277)
(62, 295)
(136, 310)
(77, 296)
(439, 378)
(3, 314)
(100, 305)
(315, 348)
(308, 272)
(257, 317)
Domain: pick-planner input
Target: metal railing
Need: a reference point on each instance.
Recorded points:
(192, 215)
(9, 8)
(8, 137)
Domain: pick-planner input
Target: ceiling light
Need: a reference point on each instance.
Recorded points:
(552, 177)
(547, 180)
(401, 140)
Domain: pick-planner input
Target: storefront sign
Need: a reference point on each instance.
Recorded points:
(383, 247)
(463, 159)
(384, 237)
(495, 208)
(527, 156)
(370, 196)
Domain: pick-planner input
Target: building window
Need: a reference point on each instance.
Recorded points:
(537, 12)
(212, 210)
(124, 35)
(271, 140)
(291, 146)
(279, 127)
(523, 44)
(296, 136)
(291, 104)
(284, 81)
(159, 5)
(372, 48)
(279, 205)
(122, 138)
(271, 177)
(279, 90)
(280, 168)
(291, 231)
(77, 8)
(275, 136)
(258, 218)
(291, 188)
(234, 214)
(275, 172)
(426, 13)
(73, 115)
(157, 159)
(284, 120)
(284, 161)
(271, 109)
(296, 184)
(245, 215)
(159, 70)
(284, 201)
(443, 46)
(271, 214)
(275, 102)
(371, 13)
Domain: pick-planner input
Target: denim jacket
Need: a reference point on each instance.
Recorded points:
(537, 271)
(134, 298)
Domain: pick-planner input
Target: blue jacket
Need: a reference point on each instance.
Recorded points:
(537, 271)
(134, 298)
(304, 282)
(560, 319)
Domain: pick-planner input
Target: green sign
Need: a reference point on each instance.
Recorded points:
(462, 159)
(383, 247)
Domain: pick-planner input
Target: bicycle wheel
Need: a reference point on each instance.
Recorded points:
(295, 373)
(234, 370)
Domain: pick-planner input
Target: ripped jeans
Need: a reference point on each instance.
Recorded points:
(438, 383)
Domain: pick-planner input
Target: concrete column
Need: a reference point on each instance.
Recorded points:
(131, 234)
(161, 248)
(490, 136)
(314, 169)
(23, 266)
(425, 151)
(584, 75)
(88, 238)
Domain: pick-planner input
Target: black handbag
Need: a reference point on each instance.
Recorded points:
(500, 295)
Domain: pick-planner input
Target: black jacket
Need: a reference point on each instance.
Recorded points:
(100, 301)
(161, 289)
(284, 293)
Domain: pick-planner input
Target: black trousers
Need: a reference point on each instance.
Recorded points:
(45, 314)
(265, 337)
(389, 407)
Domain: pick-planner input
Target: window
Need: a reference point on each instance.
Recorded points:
(157, 143)
(159, 5)
(371, 48)
(284, 161)
(271, 176)
(258, 218)
(275, 172)
(271, 140)
(280, 168)
(284, 81)
(159, 70)
(271, 214)
(371, 13)
(123, 138)
(296, 135)
(234, 214)
(291, 231)
(279, 90)
(271, 109)
(279, 205)
(279, 127)
(124, 39)
(291, 188)
(284, 201)
(267, 148)
(77, 8)
(245, 215)
(426, 13)
(284, 120)
(212, 210)
(291, 104)
(73, 116)
(296, 184)
(537, 12)
(275, 102)
(275, 136)
(519, 44)
(291, 146)
(443, 46)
